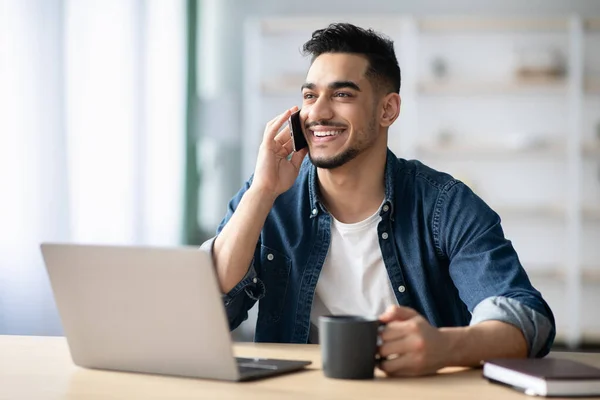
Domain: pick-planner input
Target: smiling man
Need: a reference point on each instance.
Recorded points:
(352, 229)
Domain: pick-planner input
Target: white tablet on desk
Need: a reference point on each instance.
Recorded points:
(151, 310)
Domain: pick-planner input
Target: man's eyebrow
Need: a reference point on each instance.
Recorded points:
(344, 84)
(333, 85)
(307, 85)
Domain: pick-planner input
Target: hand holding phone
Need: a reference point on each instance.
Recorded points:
(298, 138)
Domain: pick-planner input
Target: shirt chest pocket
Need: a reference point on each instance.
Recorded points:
(274, 273)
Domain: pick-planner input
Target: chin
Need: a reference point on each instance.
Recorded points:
(335, 161)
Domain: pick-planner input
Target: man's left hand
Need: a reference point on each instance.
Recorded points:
(410, 345)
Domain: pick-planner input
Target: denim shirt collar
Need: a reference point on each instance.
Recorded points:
(316, 206)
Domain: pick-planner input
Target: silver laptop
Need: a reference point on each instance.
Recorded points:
(150, 310)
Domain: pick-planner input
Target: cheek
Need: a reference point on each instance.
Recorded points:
(304, 114)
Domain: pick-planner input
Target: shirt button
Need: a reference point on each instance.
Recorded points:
(255, 280)
(386, 208)
(384, 235)
(401, 289)
(314, 211)
(270, 257)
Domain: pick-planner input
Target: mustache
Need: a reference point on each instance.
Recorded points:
(324, 123)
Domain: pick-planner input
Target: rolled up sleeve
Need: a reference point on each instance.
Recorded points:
(537, 329)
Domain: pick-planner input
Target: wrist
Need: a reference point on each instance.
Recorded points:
(265, 196)
(456, 341)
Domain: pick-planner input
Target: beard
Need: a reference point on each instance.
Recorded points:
(335, 161)
(350, 153)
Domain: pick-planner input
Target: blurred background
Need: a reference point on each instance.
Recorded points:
(135, 121)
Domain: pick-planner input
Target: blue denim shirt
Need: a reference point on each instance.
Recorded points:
(439, 241)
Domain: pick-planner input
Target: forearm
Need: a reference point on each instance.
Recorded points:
(234, 246)
(468, 346)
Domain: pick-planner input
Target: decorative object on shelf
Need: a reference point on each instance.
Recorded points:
(592, 84)
(544, 64)
(439, 68)
(445, 137)
(522, 141)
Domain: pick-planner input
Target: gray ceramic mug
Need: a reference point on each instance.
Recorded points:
(348, 346)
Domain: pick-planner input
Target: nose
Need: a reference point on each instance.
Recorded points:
(320, 110)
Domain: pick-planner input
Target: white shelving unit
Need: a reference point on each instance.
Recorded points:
(526, 145)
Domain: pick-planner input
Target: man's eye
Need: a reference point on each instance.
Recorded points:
(308, 96)
(343, 94)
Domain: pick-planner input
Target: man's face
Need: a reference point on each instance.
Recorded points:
(338, 109)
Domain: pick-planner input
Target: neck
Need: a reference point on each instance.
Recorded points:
(354, 191)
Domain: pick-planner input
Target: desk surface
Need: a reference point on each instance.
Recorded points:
(41, 368)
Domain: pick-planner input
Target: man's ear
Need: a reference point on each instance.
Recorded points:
(390, 109)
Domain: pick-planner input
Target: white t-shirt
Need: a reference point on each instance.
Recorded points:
(354, 279)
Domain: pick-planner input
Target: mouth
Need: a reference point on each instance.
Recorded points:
(326, 133)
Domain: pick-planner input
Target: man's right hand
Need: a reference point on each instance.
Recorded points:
(274, 173)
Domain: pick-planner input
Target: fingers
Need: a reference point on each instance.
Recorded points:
(284, 142)
(403, 357)
(284, 139)
(397, 330)
(402, 344)
(289, 147)
(403, 365)
(397, 313)
(283, 136)
(274, 125)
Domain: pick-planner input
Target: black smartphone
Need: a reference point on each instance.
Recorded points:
(298, 139)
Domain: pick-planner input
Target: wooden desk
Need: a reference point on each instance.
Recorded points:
(41, 368)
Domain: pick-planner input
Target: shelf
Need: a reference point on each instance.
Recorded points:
(591, 149)
(590, 275)
(289, 84)
(306, 25)
(592, 24)
(499, 151)
(556, 273)
(530, 211)
(551, 272)
(588, 337)
(592, 85)
(436, 24)
(555, 211)
(529, 86)
(492, 150)
(490, 24)
(591, 213)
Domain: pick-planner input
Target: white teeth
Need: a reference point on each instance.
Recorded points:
(326, 133)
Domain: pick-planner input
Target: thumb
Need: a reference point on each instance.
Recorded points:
(397, 313)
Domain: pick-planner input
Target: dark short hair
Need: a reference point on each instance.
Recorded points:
(378, 49)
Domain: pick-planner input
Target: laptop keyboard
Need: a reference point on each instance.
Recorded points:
(249, 364)
(256, 368)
